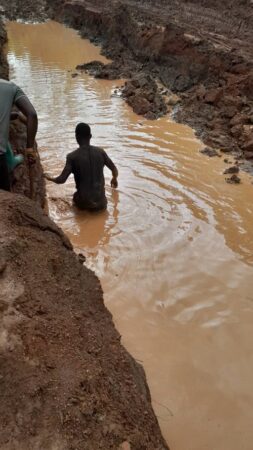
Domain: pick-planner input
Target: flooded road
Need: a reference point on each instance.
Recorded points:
(174, 252)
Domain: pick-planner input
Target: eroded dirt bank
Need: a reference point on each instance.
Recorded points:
(66, 382)
(200, 50)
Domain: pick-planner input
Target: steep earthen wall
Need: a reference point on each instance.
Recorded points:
(66, 381)
(201, 51)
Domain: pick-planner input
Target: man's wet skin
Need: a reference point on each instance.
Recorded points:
(87, 165)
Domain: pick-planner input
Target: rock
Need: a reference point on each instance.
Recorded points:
(195, 40)
(200, 92)
(143, 80)
(125, 446)
(3, 265)
(248, 147)
(238, 119)
(230, 111)
(143, 95)
(232, 169)
(234, 179)
(248, 132)
(247, 87)
(91, 67)
(150, 116)
(141, 105)
(74, 75)
(248, 155)
(173, 99)
(236, 131)
(182, 83)
(81, 258)
(211, 152)
(213, 96)
(225, 150)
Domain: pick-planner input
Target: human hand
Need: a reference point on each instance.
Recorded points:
(114, 183)
(22, 118)
(31, 156)
(47, 176)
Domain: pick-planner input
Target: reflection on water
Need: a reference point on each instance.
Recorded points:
(174, 252)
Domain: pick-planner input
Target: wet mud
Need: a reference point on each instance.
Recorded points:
(190, 50)
(202, 257)
(66, 382)
(173, 251)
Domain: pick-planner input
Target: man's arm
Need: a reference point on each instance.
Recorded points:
(64, 175)
(18, 115)
(25, 106)
(114, 170)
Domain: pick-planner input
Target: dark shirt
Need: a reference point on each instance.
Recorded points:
(87, 165)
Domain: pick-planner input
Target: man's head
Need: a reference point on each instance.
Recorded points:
(83, 133)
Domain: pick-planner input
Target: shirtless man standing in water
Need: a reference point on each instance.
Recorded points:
(87, 165)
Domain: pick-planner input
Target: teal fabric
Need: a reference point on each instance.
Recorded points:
(12, 161)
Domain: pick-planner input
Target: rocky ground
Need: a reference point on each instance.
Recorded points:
(66, 382)
(194, 58)
(200, 50)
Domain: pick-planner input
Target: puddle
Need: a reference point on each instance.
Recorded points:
(174, 252)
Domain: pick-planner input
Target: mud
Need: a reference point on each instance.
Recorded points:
(191, 48)
(197, 49)
(204, 99)
(66, 382)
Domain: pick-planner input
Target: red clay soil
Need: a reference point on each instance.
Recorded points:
(201, 50)
(66, 382)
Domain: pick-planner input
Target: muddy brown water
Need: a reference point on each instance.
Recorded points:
(174, 252)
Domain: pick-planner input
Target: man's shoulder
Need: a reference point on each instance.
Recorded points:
(6, 84)
(72, 155)
(97, 149)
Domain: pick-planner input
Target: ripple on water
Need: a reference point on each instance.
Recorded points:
(174, 251)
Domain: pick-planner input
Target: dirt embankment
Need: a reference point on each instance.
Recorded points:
(66, 381)
(200, 50)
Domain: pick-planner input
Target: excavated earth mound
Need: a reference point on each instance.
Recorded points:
(66, 382)
(198, 49)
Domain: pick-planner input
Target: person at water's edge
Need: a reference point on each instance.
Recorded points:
(11, 95)
(87, 165)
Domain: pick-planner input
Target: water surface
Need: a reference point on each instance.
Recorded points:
(174, 252)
